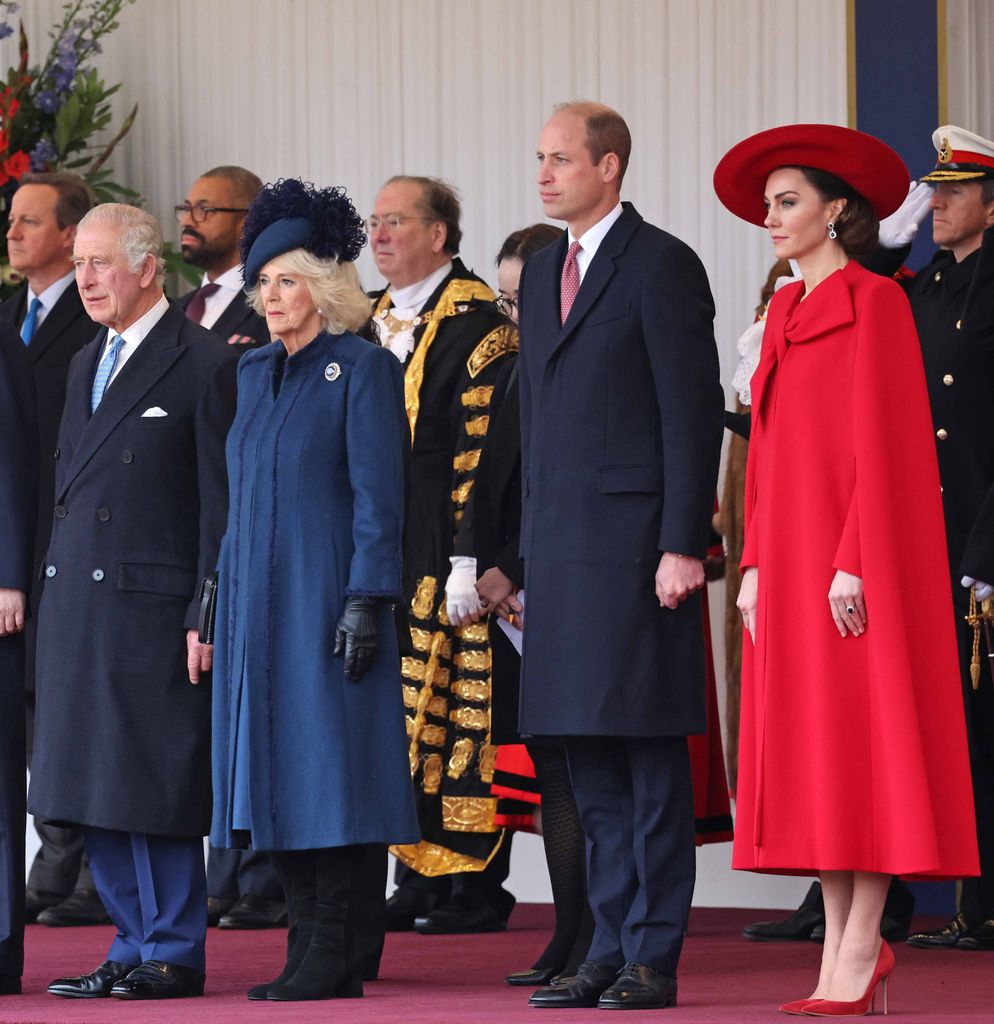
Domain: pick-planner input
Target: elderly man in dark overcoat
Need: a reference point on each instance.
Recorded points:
(18, 497)
(122, 743)
(621, 422)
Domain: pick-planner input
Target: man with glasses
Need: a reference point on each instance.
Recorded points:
(47, 313)
(439, 319)
(211, 219)
(242, 888)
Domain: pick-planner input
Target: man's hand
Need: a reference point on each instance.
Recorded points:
(12, 610)
(462, 603)
(677, 577)
(984, 590)
(747, 599)
(199, 657)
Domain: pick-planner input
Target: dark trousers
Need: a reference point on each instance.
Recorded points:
(977, 895)
(60, 865)
(12, 806)
(636, 807)
(155, 891)
(235, 873)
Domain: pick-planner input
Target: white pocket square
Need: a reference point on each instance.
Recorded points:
(154, 411)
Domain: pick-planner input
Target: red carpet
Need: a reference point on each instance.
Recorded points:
(442, 980)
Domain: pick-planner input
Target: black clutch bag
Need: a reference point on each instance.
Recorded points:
(208, 609)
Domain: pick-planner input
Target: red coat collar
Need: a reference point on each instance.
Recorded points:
(827, 308)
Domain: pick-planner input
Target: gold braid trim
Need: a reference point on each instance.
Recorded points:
(432, 860)
(475, 634)
(465, 689)
(468, 813)
(418, 729)
(465, 461)
(477, 719)
(472, 661)
(498, 342)
(458, 293)
(477, 398)
(461, 494)
(477, 426)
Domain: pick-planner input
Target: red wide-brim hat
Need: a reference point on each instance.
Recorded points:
(863, 162)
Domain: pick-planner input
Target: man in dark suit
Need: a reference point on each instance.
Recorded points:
(18, 493)
(621, 422)
(49, 316)
(141, 498)
(211, 218)
(242, 888)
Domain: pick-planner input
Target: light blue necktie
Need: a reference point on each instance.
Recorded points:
(30, 321)
(104, 370)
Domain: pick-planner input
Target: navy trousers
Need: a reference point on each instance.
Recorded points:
(636, 806)
(12, 809)
(232, 874)
(155, 891)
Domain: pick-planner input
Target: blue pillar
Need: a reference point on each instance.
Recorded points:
(895, 68)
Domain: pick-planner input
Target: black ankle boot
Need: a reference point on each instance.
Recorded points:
(327, 968)
(296, 872)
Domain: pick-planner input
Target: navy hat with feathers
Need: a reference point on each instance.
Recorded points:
(293, 214)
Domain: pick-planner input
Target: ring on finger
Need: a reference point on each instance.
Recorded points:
(850, 609)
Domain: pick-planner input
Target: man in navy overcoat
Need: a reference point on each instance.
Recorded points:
(621, 422)
(18, 498)
(122, 738)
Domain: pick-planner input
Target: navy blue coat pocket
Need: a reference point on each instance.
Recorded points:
(605, 316)
(625, 479)
(151, 578)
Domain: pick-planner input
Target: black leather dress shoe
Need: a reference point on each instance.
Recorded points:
(467, 914)
(217, 907)
(10, 984)
(406, 905)
(82, 907)
(795, 928)
(946, 937)
(35, 901)
(639, 988)
(255, 912)
(155, 979)
(979, 938)
(592, 979)
(95, 985)
(532, 977)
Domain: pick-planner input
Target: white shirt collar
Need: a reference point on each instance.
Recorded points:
(140, 329)
(591, 239)
(414, 296)
(231, 279)
(53, 292)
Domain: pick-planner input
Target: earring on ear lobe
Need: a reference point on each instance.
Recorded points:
(832, 233)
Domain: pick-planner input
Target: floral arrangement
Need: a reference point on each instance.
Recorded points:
(51, 113)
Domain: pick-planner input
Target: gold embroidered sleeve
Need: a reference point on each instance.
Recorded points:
(499, 342)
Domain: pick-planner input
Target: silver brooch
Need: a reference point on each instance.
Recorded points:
(332, 371)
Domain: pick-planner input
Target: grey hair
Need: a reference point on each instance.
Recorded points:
(139, 236)
(334, 289)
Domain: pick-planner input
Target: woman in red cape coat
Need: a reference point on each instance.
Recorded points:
(852, 758)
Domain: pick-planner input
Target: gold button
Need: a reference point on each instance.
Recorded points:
(938, 276)
(947, 379)
(959, 325)
(941, 434)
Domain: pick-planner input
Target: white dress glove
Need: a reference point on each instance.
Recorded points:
(901, 227)
(984, 590)
(462, 602)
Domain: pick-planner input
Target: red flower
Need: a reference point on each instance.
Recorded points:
(15, 166)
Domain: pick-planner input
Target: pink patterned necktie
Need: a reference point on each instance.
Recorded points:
(571, 282)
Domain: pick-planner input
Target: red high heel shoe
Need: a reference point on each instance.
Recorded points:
(858, 1007)
(797, 1007)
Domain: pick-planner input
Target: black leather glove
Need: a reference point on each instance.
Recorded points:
(356, 636)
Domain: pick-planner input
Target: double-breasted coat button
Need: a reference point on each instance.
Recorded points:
(103, 514)
(97, 574)
(942, 433)
(58, 452)
(127, 457)
(947, 379)
(938, 276)
(51, 571)
(959, 325)
(61, 512)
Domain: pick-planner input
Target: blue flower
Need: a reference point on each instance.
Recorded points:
(48, 101)
(5, 30)
(43, 154)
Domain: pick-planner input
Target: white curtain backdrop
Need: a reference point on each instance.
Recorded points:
(351, 91)
(970, 45)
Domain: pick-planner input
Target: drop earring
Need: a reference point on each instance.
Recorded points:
(832, 233)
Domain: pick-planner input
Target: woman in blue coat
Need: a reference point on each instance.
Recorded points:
(309, 747)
